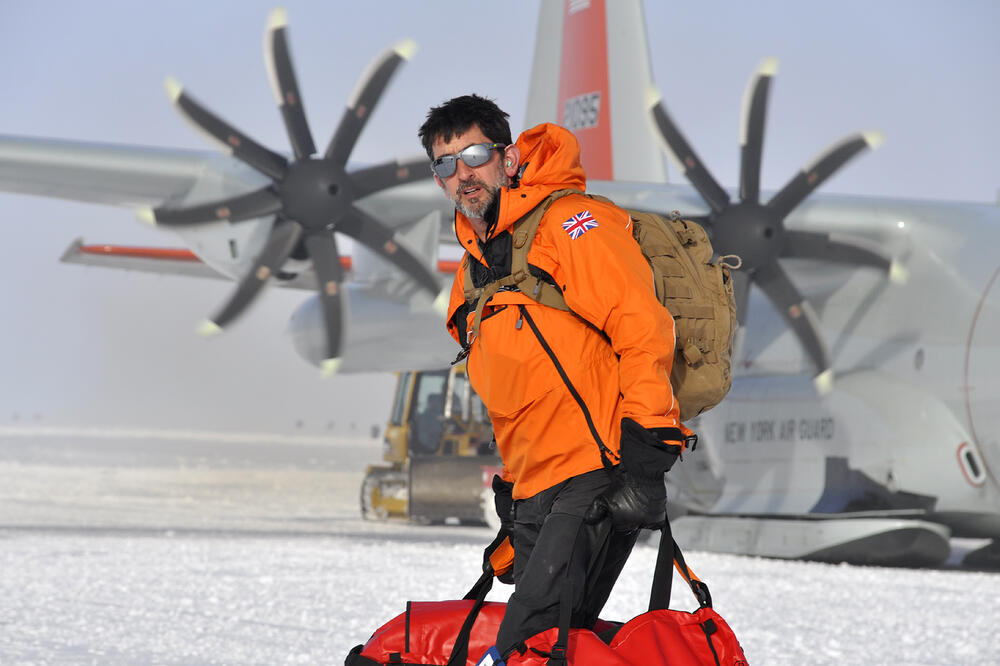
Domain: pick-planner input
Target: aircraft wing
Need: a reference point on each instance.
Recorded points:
(162, 261)
(182, 261)
(110, 174)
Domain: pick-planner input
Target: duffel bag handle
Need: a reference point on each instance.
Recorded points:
(670, 553)
(460, 653)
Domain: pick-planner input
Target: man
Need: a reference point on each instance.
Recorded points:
(580, 401)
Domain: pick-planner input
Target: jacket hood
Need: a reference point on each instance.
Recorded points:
(550, 161)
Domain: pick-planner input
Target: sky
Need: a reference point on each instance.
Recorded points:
(92, 347)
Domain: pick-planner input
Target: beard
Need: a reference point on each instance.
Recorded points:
(477, 211)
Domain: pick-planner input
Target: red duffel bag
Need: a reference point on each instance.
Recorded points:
(458, 633)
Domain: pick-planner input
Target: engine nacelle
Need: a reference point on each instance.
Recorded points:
(380, 334)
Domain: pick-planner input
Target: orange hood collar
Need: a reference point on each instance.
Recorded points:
(550, 157)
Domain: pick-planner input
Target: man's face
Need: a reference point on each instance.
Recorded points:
(472, 189)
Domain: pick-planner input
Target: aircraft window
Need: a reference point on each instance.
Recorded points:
(971, 464)
(400, 401)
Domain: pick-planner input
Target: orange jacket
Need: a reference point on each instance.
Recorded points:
(541, 431)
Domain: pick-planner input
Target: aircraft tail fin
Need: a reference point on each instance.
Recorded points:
(590, 74)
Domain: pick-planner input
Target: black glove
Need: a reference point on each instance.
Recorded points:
(503, 501)
(637, 496)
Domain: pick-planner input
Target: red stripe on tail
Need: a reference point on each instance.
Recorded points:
(584, 102)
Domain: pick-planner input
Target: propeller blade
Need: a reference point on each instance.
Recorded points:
(279, 245)
(286, 89)
(373, 179)
(235, 209)
(817, 245)
(752, 129)
(228, 137)
(371, 233)
(797, 312)
(366, 95)
(322, 248)
(678, 147)
(816, 172)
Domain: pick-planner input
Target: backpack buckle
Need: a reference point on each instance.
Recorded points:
(692, 352)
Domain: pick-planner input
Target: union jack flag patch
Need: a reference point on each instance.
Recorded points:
(579, 224)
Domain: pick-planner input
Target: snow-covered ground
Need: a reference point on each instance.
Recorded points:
(193, 552)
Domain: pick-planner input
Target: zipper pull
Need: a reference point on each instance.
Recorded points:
(520, 320)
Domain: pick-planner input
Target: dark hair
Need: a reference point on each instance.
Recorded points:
(458, 115)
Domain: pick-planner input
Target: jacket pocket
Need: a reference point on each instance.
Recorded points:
(507, 366)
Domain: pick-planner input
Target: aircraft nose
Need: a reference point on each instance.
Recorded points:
(982, 383)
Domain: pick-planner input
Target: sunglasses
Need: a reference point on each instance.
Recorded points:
(475, 155)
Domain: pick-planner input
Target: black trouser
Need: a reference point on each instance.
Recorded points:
(553, 547)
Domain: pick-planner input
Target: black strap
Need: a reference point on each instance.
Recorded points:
(601, 446)
(708, 626)
(406, 634)
(557, 655)
(482, 586)
(663, 575)
(460, 653)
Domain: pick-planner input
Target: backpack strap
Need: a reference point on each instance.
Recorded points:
(523, 233)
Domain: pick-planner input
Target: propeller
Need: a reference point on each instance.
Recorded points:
(309, 196)
(756, 231)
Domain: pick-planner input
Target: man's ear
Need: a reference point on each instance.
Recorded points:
(511, 160)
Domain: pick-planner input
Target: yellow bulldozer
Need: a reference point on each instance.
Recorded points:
(439, 454)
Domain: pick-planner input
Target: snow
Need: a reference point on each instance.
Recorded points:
(257, 556)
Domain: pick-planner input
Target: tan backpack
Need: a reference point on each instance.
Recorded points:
(695, 290)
